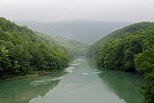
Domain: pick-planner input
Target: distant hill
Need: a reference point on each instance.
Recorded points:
(84, 31)
(73, 48)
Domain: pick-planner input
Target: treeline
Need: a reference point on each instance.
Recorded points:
(72, 47)
(23, 52)
(129, 49)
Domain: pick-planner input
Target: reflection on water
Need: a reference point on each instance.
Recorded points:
(22, 91)
(81, 85)
(126, 85)
(84, 83)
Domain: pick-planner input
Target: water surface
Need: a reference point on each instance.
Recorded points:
(84, 83)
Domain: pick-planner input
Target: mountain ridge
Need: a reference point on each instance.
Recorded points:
(80, 30)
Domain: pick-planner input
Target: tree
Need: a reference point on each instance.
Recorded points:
(5, 63)
(145, 65)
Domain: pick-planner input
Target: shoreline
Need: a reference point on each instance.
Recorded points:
(35, 74)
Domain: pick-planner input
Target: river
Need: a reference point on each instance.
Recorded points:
(82, 82)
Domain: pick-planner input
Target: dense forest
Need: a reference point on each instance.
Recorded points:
(22, 52)
(72, 47)
(129, 49)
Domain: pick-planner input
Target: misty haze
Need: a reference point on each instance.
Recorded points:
(83, 31)
(76, 51)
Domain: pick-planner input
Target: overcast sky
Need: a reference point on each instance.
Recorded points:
(66, 10)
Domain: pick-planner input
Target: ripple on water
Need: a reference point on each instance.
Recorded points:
(69, 69)
(84, 73)
(45, 81)
(75, 64)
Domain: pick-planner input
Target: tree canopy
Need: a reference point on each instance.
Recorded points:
(129, 49)
(23, 52)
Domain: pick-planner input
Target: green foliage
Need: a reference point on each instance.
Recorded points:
(72, 47)
(23, 52)
(129, 49)
(119, 53)
(94, 49)
(145, 65)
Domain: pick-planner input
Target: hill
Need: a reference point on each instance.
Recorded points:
(73, 48)
(22, 52)
(95, 48)
(83, 31)
(129, 49)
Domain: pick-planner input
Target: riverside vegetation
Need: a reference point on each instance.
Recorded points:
(129, 49)
(24, 52)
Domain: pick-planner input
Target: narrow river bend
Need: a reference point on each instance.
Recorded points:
(84, 83)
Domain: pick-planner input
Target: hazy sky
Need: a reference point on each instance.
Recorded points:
(65, 10)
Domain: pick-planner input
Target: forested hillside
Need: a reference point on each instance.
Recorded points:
(23, 52)
(129, 49)
(73, 48)
(93, 51)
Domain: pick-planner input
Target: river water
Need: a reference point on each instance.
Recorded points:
(82, 82)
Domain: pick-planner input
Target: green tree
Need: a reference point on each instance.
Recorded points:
(5, 63)
(145, 65)
(23, 52)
